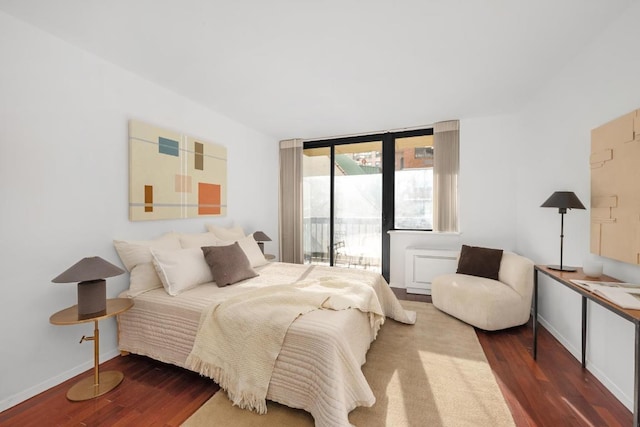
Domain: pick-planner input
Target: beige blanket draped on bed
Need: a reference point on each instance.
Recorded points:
(255, 323)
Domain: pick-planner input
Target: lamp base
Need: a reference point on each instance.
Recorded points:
(92, 297)
(563, 268)
(87, 389)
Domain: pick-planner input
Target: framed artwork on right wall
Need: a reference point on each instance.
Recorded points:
(615, 189)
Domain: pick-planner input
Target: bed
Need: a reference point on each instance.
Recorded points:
(319, 366)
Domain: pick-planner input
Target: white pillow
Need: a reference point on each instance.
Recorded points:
(143, 278)
(198, 240)
(228, 234)
(252, 251)
(134, 252)
(181, 269)
(137, 259)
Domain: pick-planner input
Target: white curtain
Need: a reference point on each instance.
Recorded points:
(290, 221)
(446, 144)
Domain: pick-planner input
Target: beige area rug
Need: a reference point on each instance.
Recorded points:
(433, 373)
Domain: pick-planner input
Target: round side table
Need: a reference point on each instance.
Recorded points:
(101, 382)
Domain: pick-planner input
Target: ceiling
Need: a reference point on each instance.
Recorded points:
(309, 69)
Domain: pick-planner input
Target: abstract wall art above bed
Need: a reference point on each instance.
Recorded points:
(172, 175)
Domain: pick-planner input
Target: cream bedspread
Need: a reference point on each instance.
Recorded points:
(319, 366)
(255, 323)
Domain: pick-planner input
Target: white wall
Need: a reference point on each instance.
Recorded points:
(64, 181)
(63, 175)
(487, 194)
(600, 84)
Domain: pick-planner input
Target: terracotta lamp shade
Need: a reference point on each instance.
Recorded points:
(260, 237)
(92, 288)
(562, 200)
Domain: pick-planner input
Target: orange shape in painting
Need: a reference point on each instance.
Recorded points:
(208, 199)
(148, 198)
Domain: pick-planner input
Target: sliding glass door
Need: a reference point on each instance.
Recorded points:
(316, 190)
(352, 188)
(357, 194)
(343, 205)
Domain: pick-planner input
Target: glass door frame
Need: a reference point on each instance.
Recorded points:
(388, 184)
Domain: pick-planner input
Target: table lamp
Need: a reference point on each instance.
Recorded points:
(92, 288)
(562, 200)
(261, 238)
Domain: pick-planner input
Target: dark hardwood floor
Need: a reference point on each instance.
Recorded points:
(552, 391)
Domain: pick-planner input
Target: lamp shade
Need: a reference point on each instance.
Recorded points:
(261, 237)
(87, 269)
(92, 288)
(563, 200)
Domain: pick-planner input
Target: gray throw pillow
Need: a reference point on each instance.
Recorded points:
(479, 261)
(228, 264)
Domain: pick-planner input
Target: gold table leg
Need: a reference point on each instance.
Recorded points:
(101, 383)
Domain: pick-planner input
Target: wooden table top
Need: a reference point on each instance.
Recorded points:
(69, 316)
(565, 277)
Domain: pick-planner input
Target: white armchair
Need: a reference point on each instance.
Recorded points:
(486, 303)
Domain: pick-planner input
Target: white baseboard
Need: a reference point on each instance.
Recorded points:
(52, 382)
(626, 400)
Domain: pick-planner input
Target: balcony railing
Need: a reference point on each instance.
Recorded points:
(357, 242)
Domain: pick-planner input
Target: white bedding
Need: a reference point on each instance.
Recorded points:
(319, 367)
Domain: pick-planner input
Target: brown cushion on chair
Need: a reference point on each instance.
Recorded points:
(228, 264)
(479, 261)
